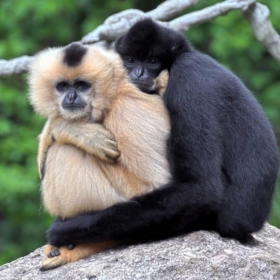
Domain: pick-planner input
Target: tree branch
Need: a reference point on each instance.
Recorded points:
(170, 9)
(14, 66)
(258, 17)
(116, 25)
(113, 27)
(185, 22)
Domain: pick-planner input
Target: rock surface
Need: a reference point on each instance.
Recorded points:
(197, 256)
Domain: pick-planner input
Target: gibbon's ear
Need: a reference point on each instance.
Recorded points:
(175, 49)
(180, 44)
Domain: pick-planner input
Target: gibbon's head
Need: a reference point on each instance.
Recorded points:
(70, 82)
(151, 42)
(147, 49)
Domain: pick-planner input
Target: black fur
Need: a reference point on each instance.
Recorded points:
(142, 41)
(74, 54)
(133, 46)
(222, 151)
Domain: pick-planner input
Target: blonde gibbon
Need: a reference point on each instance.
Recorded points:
(104, 141)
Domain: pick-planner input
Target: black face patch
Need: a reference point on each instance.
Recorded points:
(74, 54)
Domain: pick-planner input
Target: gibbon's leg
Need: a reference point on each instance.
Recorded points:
(46, 140)
(65, 255)
(93, 138)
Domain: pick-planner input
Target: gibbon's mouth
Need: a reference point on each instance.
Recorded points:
(73, 108)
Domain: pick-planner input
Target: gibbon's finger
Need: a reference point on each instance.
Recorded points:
(112, 155)
(112, 144)
(104, 155)
(110, 158)
(107, 153)
(110, 136)
(103, 134)
(103, 149)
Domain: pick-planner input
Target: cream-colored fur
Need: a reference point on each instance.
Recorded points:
(74, 179)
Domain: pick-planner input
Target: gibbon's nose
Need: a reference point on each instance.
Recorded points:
(139, 72)
(72, 96)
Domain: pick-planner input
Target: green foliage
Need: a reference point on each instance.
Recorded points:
(29, 26)
(275, 216)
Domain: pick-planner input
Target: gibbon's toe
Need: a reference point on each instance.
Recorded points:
(50, 251)
(51, 263)
(54, 253)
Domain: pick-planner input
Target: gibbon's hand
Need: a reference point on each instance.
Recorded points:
(93, 138)
(105, 145)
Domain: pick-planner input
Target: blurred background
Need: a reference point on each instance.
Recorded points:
(27, 27)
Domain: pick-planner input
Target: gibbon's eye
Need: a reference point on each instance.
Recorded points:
(82, 85)
(153, 62)
(128, 60)
(62, 86)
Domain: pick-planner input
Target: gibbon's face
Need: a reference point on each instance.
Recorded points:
(144, 54)
(74, 82)
(147, 49)
(143, 72)
(74, 98)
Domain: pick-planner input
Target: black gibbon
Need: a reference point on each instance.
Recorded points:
(89, 102)
(222, 151)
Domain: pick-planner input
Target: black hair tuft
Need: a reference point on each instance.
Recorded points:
(74, 54)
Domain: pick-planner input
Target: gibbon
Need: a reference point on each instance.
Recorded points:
(93, 113)
(222, 150)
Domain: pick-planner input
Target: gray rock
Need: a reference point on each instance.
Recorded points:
(197, 256)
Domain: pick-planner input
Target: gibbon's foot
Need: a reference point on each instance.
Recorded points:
(54, 253)
(104, 145)
(51, 251)
(60, 256)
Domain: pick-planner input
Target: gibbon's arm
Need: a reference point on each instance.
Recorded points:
(163, 213)
(45, 141)
(93, 138)
(189, 202)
